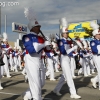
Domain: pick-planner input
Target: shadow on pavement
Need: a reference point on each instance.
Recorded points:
(79, 83)
(7, 85)
(12, 98)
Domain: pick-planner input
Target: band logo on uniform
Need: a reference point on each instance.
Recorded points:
(27, 39)
(61, 43)
(92, 44)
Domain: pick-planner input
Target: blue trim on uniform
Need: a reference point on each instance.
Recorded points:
(29, 44)
(61, 46)
(3, 46)
(94, 44)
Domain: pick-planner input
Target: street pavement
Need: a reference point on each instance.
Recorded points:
(15, 86)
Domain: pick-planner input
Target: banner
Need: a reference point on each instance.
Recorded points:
(77, 29)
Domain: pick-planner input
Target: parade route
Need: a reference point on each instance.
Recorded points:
(15, 86)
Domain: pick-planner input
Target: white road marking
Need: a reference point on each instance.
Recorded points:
(9, 93)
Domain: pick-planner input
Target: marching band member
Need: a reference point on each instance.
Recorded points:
(56, 57)
(1, 66)
(24, 69)
(44, 63)
(92, 66)
(19, 57)
(11, 60)
(91, 62)
(5, 47)
(86, 60)
(95, 47)
(43, 56)
(65, 49)
(15, 54)
(23, 54)
(73, 63)
(79, 43)
(34, 45)
(50, 67)
(81, 60)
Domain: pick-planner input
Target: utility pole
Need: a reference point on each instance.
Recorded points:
(5, 23)
(0, 20)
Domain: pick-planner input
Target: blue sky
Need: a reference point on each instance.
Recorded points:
(48, 13)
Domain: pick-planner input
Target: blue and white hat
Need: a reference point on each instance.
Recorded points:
(63, 25)
(29, 13)
(5, 37)
(95, 28)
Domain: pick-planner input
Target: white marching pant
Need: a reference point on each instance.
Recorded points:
(6, 67)
(50, 68)
(19, 62)
(65, 64)
(92, 65)
(24, 71)
(80, 71)
(73, 66)
(96, 78)
(15, 63)
(86, 67)
(56, 60)
(28, 94)
(42, 73)
(1, 71)
(97, 64)
(11, 61)
(43, 61)
(60, 84)
(33, 71)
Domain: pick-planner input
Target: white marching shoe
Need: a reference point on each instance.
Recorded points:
(1, 88)
(93, 83)
(8, 76)
(89, 74)
(74, 76)
(93, 72)
(85, 75)
(52, 79)
(25, 98)
(78, 73)
(23, 73)
(75, 96)
(57, 93)
(57, 71)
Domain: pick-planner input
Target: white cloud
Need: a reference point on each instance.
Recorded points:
(50, 11)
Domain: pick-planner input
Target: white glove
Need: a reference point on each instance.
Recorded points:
(98, 47)
(75, 47)
(10, 47)
(47, 43)
(75, 54)
(72, 49)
